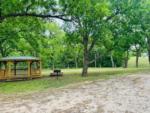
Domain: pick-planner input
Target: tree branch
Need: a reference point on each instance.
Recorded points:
(92, 44)
(113, 15)
(34, 15)
(94, 60)
(28, 7)
(116, 13)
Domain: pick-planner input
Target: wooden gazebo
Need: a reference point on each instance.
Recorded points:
(23, 67)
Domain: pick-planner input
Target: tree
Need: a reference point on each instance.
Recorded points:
(52, 45)
(144, 14)
(126, 24)
(74, 49)
(109, 42)
(86, 23)
(136, 33)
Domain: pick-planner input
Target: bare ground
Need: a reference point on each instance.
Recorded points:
(129, 94)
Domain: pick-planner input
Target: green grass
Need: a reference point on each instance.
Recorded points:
(71, 76)
(143, 62)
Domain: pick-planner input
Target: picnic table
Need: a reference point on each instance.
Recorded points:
(56, 73)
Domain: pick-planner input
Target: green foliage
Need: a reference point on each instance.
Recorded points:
(13, 32)
(110, 27)
(34, 6)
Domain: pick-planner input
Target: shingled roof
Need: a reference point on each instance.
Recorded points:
(20, 58)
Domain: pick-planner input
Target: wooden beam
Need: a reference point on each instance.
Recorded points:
(9, 74)
(29, 69)
(15, 64)
(40, 68)
(5, 69)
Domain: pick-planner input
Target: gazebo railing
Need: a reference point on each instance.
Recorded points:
(19, 72)
(2, 74)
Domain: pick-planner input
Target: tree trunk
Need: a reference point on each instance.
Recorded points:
(149, 56)
(148, 49)
(53, 66)
(126, 60)
(112, 61)
(137, 58)
(76, 62)
(95, 60)
(85, 64)
(85, 57)
(68, 66)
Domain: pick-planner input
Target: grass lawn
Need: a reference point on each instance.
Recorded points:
(143, 62)
(71, 76)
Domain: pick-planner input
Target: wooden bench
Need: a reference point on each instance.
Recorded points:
(56, 73)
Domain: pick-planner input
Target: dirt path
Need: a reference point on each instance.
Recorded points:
(121, 95)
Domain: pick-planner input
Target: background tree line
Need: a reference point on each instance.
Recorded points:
(96, 33)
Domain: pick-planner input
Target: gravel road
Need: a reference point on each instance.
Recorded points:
(130, 94)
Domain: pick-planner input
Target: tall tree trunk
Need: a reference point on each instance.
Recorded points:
(95, 60)
(137, 58)
(76, 62)
(112, 60)
(2, 52)
(85, 57)
(126, 59)
(148, 49)
(149, 56)
(53, 66)
(85, 64)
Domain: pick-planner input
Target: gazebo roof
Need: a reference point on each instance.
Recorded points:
(20, 58)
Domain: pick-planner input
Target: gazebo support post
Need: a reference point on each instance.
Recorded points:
(5, 69)
(9, 70)
(40, 67)
(15, 64)
(29, 69)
